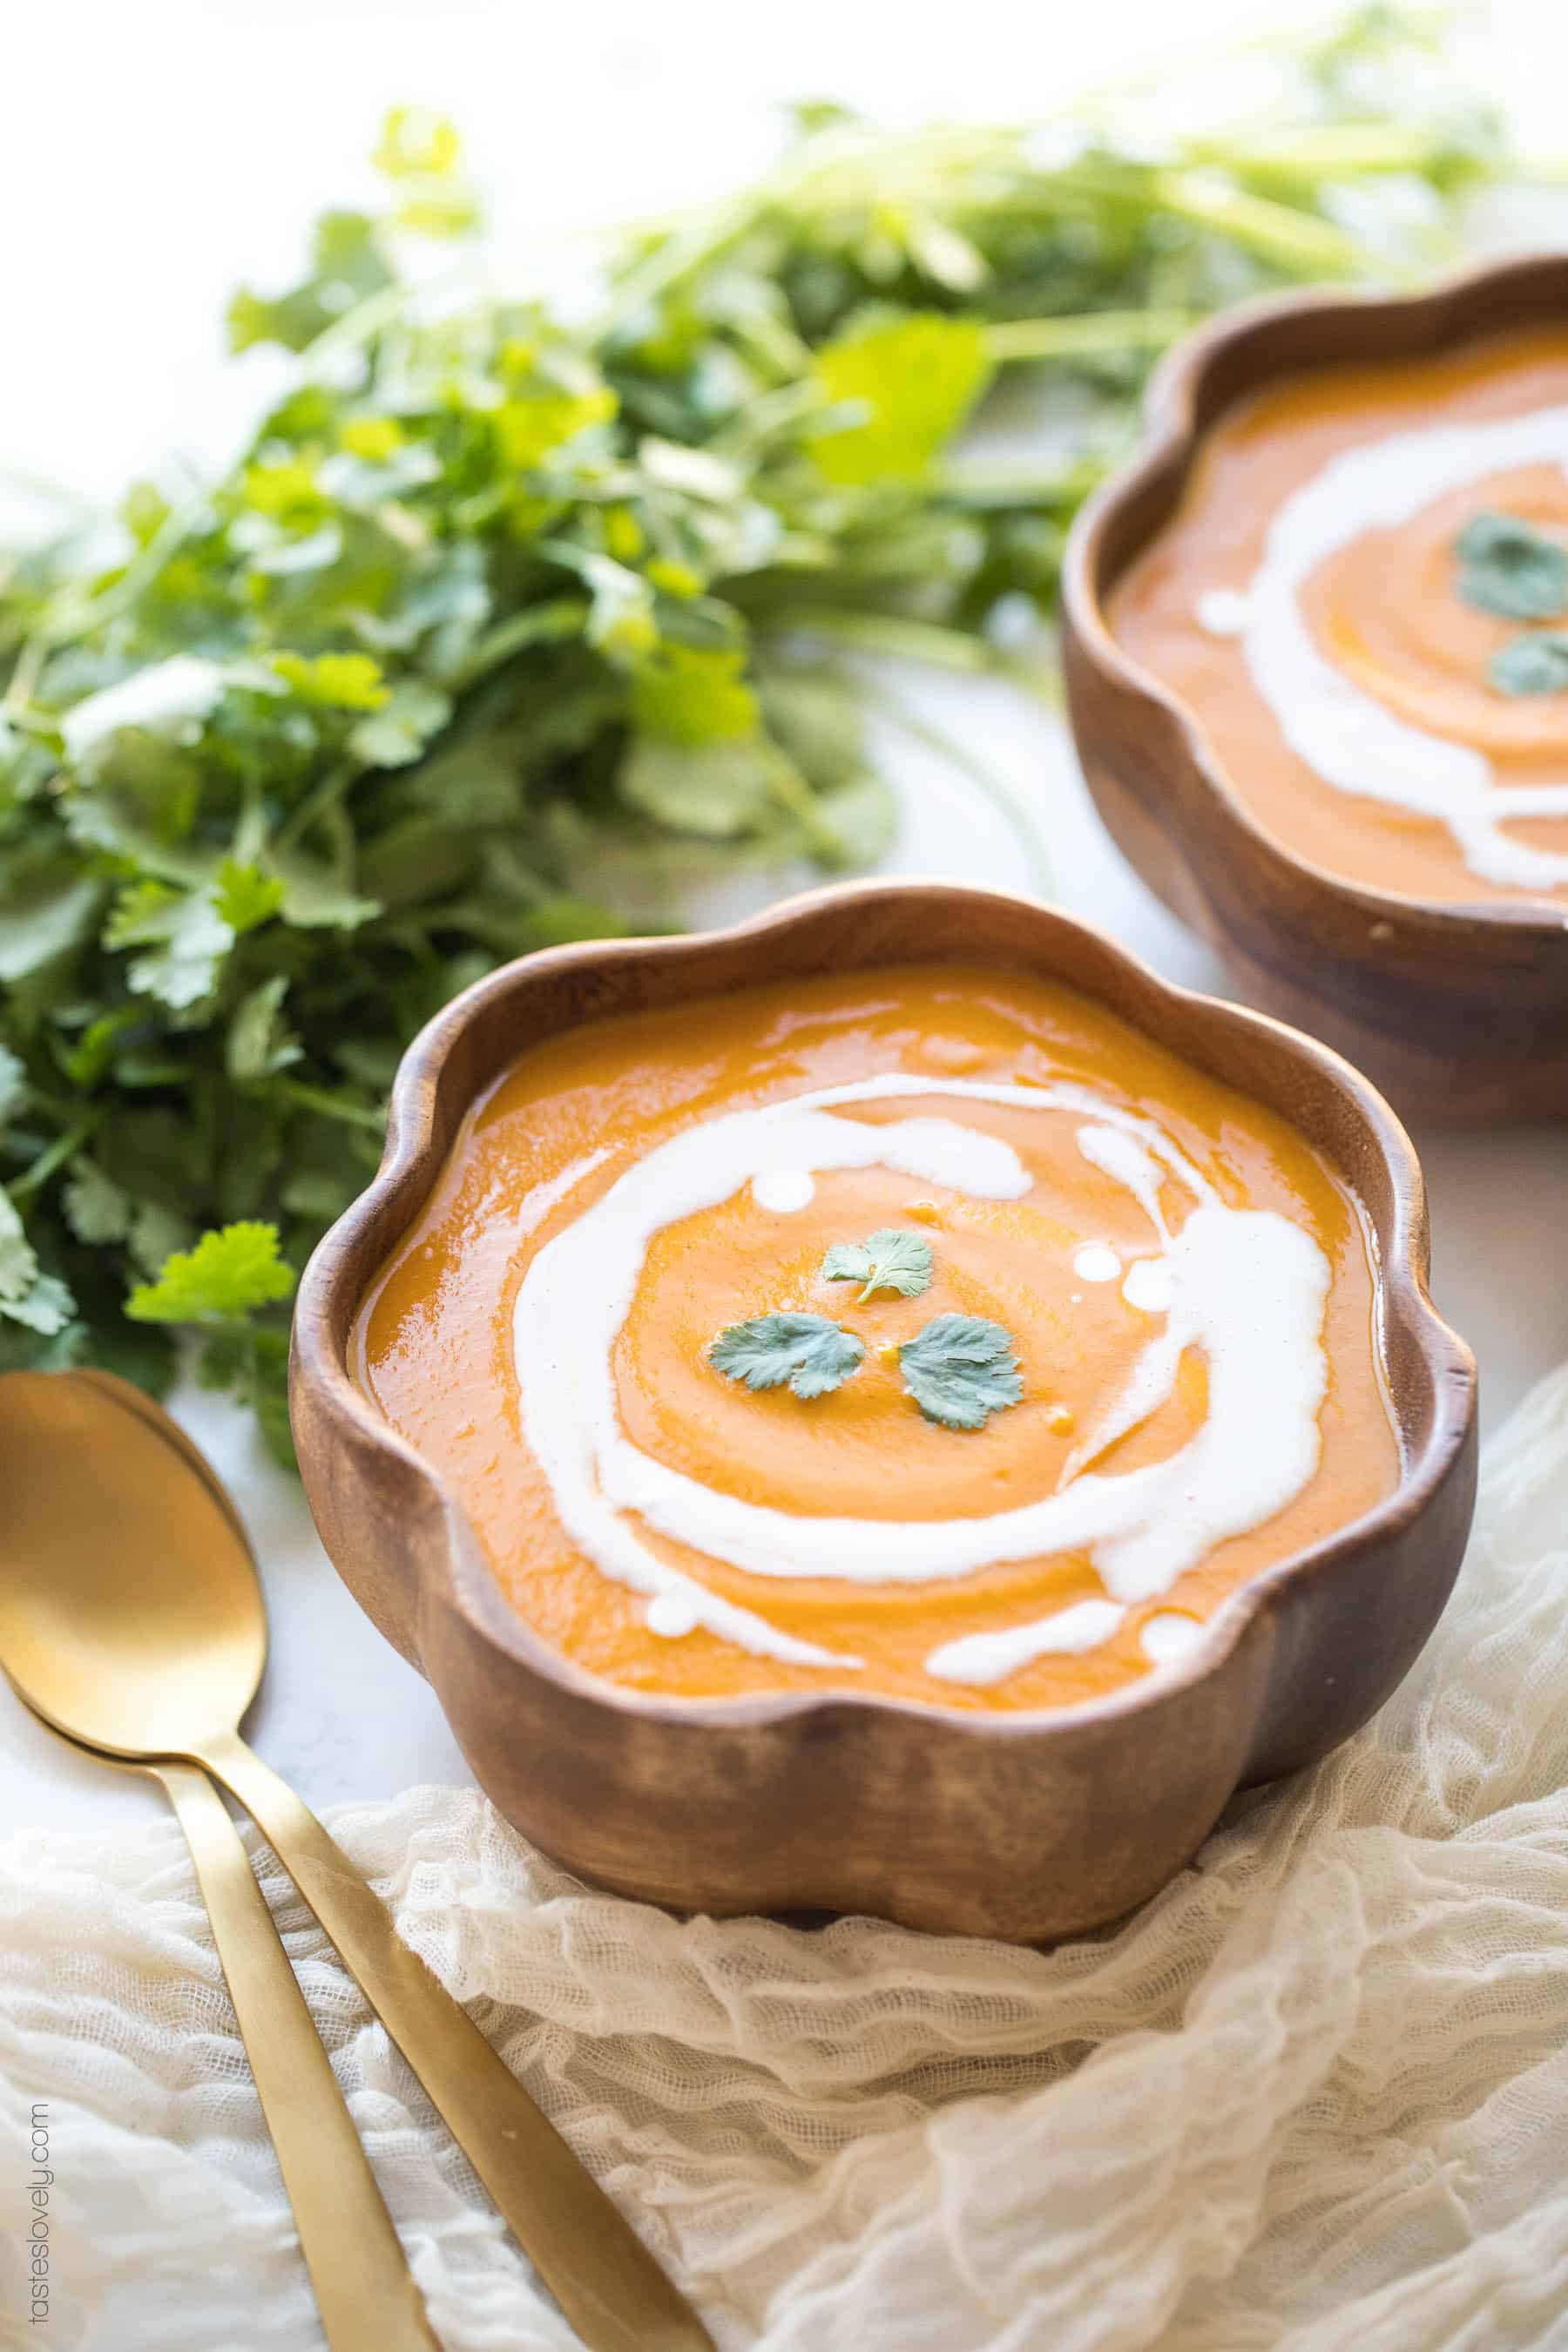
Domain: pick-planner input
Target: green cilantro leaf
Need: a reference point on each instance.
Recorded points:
(718, 790)
(260, 1041)
(416, 145)
(226, 1274)
(960, 1369)
(46, 1307)
(695, 694)
(398, 733)
(38, 1301)
(13, 1084)
(18, 1259)
(1536, 663)
(245, 896)
(334, 681)
(807, 1353)
(47, 915)
(97, 1208)
(530, 429)
(915, 378)
(891, 1259)
(190, 938)
(1509, 567)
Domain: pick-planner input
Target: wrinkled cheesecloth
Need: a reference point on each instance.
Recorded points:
(1314, 2096)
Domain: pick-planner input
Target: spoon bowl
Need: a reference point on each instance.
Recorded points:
(104, 1628)
(130, 1620)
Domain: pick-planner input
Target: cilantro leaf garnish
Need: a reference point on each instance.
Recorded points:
(1536, 663)
(960, 1369)
(891, 1259)
(807, 1353)
(1509, 567)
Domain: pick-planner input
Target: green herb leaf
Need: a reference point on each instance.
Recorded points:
(243, 896)
(891, 1259)
(259, 1041)
(97, 1208)
(692, 694)
(960, 1369)
(18, 1259)
(40, 1302)
(334, 681)
(1509, 567)
(1534, 664)
(718, 790)
(49, 914)
(13, 1084)
(398, 733)
(191, 938)
(226, 1275)
(807, 1353)
(916, 378)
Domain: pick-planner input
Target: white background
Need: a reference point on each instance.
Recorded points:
(153, 155)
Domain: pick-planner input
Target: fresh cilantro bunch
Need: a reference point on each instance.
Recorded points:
(496, 614)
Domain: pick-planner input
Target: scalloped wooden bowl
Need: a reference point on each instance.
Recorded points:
(1019, 1826)
(1460, 1011)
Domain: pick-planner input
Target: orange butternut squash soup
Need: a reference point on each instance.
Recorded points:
(922, 1331)
(1363, 601)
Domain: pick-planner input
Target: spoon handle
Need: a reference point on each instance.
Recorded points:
(607, 2284)
(365, 2290)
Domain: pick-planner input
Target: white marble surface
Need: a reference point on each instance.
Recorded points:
(266, 108)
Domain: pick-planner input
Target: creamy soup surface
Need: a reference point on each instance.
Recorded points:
(1173, 1296)
(1363, 601)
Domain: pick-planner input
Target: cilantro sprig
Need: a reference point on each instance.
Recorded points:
(1535, 663)
(891, 1259)
(1508, 567)
(503, 630)
(804, 1353)
(960, 1370)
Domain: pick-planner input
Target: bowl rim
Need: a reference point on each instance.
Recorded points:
(1172, 436)
(328, 1302)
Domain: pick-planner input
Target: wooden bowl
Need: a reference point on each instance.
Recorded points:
(1460, 1011)
(1018, 1825)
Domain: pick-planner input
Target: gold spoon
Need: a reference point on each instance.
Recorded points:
(130, 1620)
(365, 2290)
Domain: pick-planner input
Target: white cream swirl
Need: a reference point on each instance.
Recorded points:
(1342, 733)
(1247, 1287)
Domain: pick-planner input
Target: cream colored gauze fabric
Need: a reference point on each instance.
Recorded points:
(1314, 2096)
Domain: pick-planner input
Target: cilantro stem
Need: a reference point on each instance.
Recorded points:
(319, 803)
(1092, 332)
(791, 791)
(364, 321)
(62, 1150)
(891, 633)
(536, 624)
(24, 676)
(76, 620)
(704, 237)
(981, 482)
(330, 1106)
(1302, 241)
